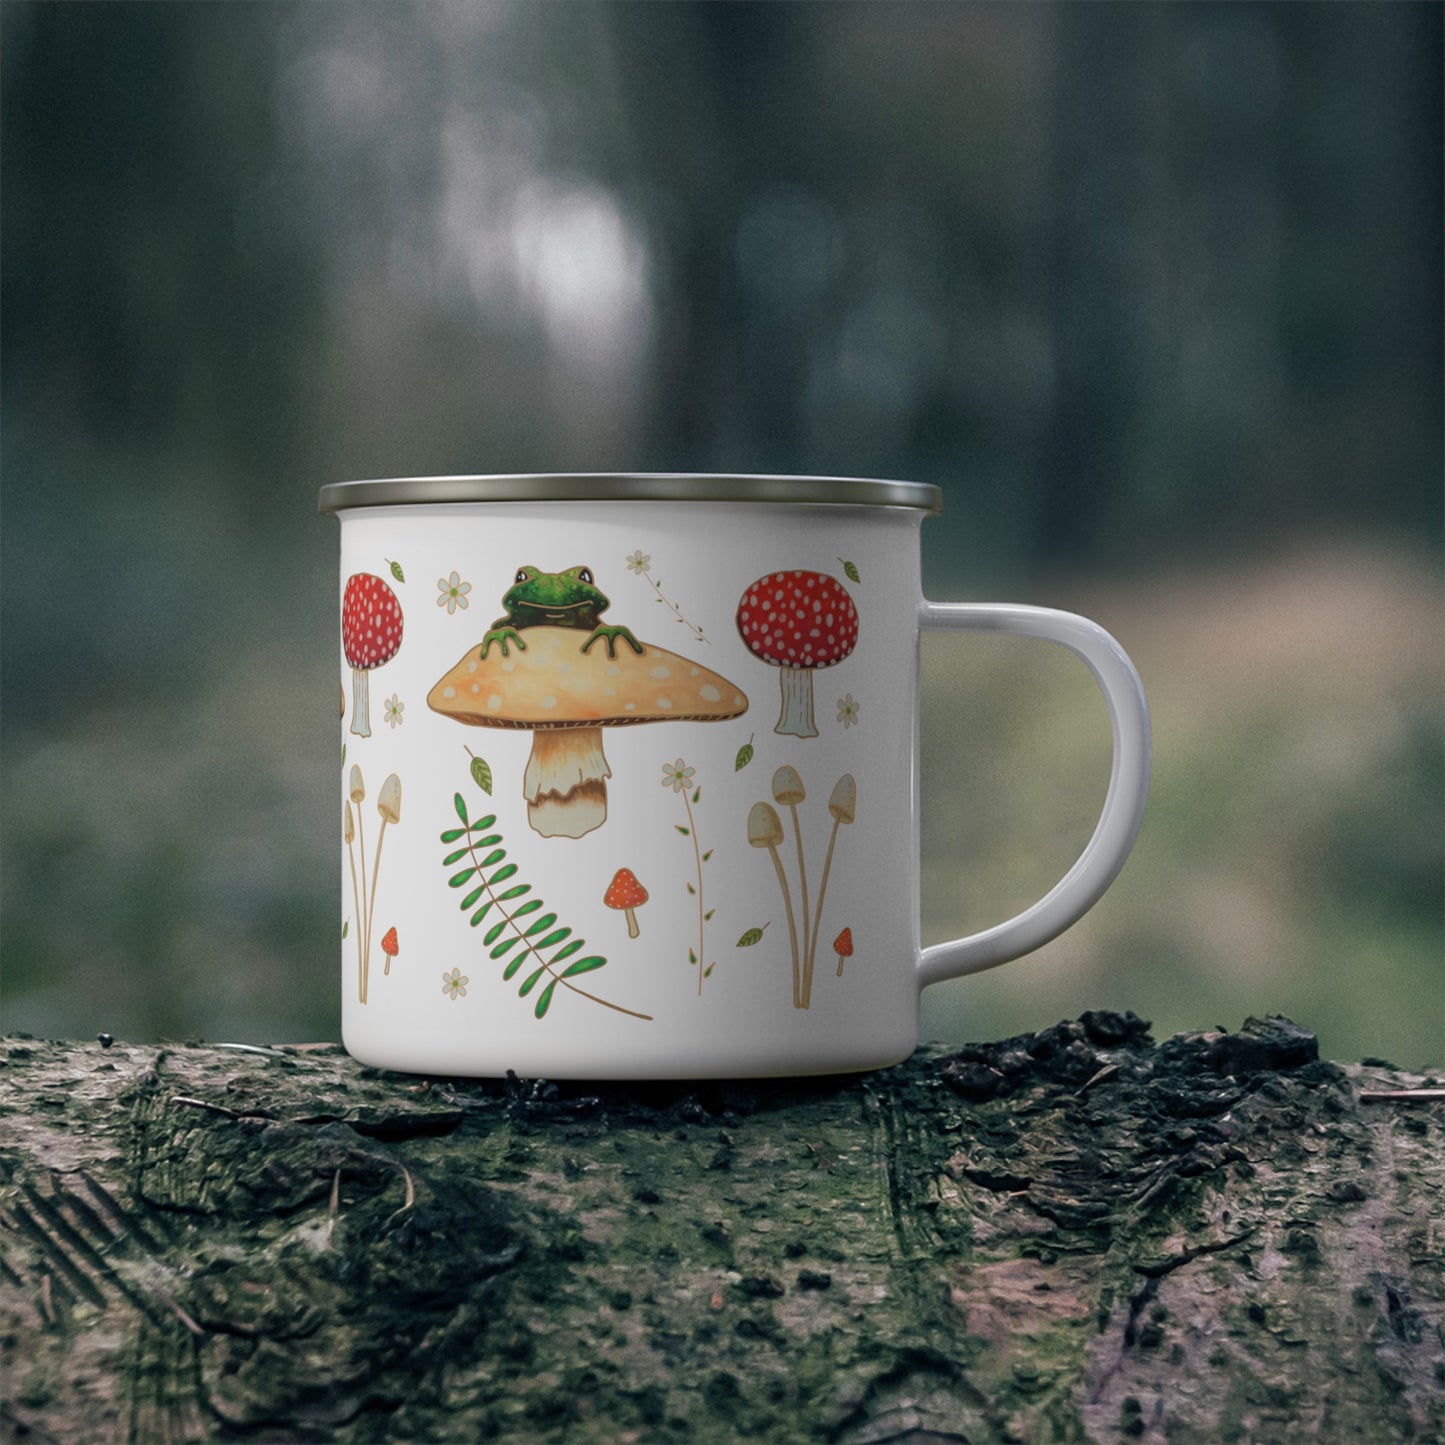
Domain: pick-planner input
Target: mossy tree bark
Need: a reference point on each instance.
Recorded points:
(1074, 1235)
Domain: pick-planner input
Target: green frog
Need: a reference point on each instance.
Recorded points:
(555, 599)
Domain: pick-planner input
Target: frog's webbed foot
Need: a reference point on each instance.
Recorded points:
(609, 635)
(502, 636)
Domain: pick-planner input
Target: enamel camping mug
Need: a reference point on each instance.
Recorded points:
(630, 782)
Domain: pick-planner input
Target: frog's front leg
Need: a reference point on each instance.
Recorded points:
(502, 633)
(610, 635)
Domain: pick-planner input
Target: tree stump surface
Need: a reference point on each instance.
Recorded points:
(1075, 1235)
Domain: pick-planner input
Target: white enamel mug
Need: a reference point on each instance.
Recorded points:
(630, 781)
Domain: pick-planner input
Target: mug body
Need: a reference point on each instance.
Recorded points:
(629, 783)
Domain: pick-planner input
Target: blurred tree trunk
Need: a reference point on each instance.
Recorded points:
(1074, 1235)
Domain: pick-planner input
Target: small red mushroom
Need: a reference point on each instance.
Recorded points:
(390, 947)
(370, 635)
(626, 893)
(843, 947)
(798, 622)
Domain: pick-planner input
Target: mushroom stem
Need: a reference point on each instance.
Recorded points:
(796, 716)
(371, 903)
(792, 927)
(360, 923)
(818, 917)
(632, 929)
(840, 965)
(565, 782)
(361, 702)
(807, 989)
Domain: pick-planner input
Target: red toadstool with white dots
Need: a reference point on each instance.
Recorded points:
(627, 894)
(370, 636)
(798, 622)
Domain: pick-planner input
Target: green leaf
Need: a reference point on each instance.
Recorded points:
(697, 795)
(752, 936)
(691, 956)
(545, 1002)
(457, 879)
(455, 857)
(685, 832)
(554, 937)
(346, 928)
(543, 924)
(470, 900)
(708, 854)
(495, 856)
(506, 945)
(707, 972)
(530, 906)
(510, 971)
(494, 932)
(569, 950)
(851, 571)
(583, 965)
(530, 981)
(461, 808)
(514, 892)
(481, 913)
(745, 755)
(481, 822)
(691, 889)
(707, 917)
(452, 834)
(501, 875)
(396, 571)
(488, 841)
(482, 774)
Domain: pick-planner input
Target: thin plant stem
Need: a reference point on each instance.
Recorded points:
(697, 855)
(365, 926)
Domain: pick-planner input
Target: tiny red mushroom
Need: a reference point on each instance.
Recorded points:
(843, 947)
(626, 893)
(390, 947)
(370, 635)
(797, 622)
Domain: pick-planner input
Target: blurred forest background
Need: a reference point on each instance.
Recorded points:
(1152, 291)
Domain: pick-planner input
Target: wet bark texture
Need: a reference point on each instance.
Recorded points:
(1073, 1235)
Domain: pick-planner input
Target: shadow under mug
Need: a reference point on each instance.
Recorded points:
(630, 780)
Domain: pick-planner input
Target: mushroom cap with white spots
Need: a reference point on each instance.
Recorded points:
(798, 619)
(554, 684)
(371, 621)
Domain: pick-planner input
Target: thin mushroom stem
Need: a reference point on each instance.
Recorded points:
(818, 917)
(807, 989)
(792, 927)
(371, 905)
(360, 922)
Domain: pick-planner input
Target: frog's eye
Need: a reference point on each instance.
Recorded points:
(584, 574)
(523, 575)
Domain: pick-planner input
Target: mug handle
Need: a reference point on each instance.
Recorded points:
(1099, 864)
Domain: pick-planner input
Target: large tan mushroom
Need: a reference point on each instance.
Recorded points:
(564, 697)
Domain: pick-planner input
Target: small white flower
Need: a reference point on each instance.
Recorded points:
(848, 710)
(677, 776)
(394, 709)
(453, 594)
(454, 984)
(639, 562)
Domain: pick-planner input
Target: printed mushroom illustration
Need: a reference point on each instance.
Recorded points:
(370, 635)
(565, 697)
(765, 830)
(798, 622)
(626, 893)
(843, 947)
(843, 805)
(390, 947)
(789, 792)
